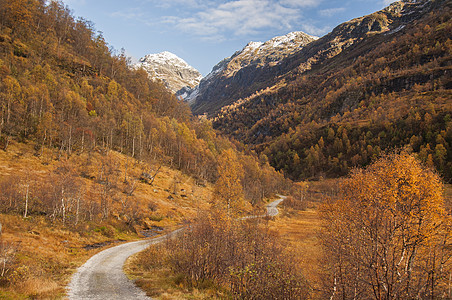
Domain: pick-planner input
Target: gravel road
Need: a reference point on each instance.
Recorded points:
(271, 207)
(102, 277)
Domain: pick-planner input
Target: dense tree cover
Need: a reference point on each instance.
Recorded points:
(389, 90)
(387, 236)
(62, 87)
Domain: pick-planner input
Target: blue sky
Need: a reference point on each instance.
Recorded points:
(205, 32)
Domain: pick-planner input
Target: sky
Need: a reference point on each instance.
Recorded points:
(204, 32)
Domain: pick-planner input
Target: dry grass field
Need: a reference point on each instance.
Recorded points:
(46, 253)
(300, 230)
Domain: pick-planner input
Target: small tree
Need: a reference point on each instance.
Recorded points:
(228, 188)
(388, 235)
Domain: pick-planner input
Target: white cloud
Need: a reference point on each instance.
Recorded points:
(300, 3)
(329, 12)
(387, 2)
(180, 3)
(217, 19)
(239, 17)
(128, 15)
(314, 30)
(71, 3)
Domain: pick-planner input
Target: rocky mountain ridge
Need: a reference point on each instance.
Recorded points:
(233, 71)
(236, 78)
(177, 74)
(373, 84)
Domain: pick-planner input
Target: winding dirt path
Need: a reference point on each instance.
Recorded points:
(102, 276)
(272, 209)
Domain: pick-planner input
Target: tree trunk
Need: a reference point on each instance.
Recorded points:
(77, 210)
(26, 202)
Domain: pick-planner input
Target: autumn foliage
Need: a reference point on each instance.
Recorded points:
(389, 90)
(228, 192)
(63, 88)
(387, 236)
(99, 134)
(241, 257)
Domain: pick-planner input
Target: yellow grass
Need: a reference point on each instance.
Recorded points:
(43, 288)
(161, 283)
(300, 230)
(48, 254)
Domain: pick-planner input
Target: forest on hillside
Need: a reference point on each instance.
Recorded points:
(390, 90)
(90, 145)
(63, 87)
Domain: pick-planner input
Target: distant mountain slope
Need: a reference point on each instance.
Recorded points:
(171, 69)
(239, 73)
(372, 84)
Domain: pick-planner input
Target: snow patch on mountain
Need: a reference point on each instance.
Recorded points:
(258, 54)
(175, 72)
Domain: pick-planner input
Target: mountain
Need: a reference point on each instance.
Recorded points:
(374, 83)
(237, 74)
(177, 75)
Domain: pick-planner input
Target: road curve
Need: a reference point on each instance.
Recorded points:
(272, 209)
(102, 276)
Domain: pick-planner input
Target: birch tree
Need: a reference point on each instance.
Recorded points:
(388, 235)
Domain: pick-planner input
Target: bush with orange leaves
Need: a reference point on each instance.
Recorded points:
(387, 235)
(239, 257)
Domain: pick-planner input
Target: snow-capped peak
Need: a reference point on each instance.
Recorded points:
(291, 37)
(253, 45)
(256, 54)
(175, 72)
(167, 58)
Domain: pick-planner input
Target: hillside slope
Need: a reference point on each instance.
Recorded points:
(372, 84)
(92, 151)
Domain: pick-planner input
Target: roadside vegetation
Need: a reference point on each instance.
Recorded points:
(223, 257)
(222, 254)
(381, 233)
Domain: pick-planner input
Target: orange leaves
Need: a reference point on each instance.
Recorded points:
(388, 230)
(228, 188)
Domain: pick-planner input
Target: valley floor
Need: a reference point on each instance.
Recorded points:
(42, 252)
(42, 255)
